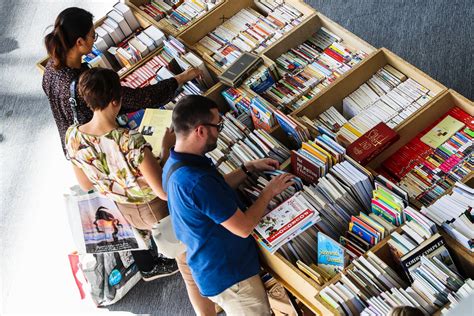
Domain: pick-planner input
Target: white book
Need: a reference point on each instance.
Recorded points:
(105, 36)
(120, 19)
(146, 40)
(138, 45)
(101, 44)
(112, 33)
(128, 15)
(155, 34)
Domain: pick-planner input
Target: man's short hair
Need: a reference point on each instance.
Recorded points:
(98, 87)
(191, 111)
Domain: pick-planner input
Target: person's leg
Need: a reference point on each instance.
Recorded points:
(202, 305)
(144, 260)
(247, 297)
(152, 268)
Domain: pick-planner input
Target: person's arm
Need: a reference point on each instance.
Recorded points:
(84, 182)
(236, 177)
(242, 224)
(152, 172)
(154, 95)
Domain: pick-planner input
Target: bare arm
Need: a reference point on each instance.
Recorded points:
(242, 224)
(83, 180)
(152, 172)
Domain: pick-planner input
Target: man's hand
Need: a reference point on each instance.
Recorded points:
(266, 164)
(169, 139)
(278, 184)
(187, 75)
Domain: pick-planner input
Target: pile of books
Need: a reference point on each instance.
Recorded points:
(429, 165)
(237, 143)
(315, 158)
(434, 285)
(368, 278)
(464, 292)
(305, 70)
(247, 31)
(389, 97)
(176, 16)
(294, 129)
(454, 212)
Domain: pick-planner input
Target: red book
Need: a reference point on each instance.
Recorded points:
(303, 168)
(372, 143)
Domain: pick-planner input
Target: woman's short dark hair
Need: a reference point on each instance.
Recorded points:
(98, 87)
(71, 24)
(191, 111)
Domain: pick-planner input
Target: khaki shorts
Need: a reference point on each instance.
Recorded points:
(142, 216)
(248, 297)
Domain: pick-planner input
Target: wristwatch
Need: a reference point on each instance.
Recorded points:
(244, 169)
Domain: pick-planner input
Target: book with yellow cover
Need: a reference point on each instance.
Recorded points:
(443, 131)
(153, 127)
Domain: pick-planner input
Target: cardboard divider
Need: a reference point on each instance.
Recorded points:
(334, 94)
(135, 5)
(304, 31)
(222, 13)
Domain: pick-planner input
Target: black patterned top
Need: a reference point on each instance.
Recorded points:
(56, 85)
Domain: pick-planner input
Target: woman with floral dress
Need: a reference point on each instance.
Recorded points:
(118, 162)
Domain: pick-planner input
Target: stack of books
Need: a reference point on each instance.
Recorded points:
(305, 70)
(464, 292)
(434, 285)
(315, 158)
(455, 214)
(389, 97)
(247, 31)
(441, 155)
(368, 278)
(296, 131)
(237, 143)
(177, 16)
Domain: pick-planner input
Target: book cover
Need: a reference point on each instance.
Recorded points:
(433, 247)
(330, 255)
(153, 127)
(303, 168)
(372, 143)
(443, 131)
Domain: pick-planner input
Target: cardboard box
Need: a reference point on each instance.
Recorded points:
(222, 13)
(41, 64)
(135, 5)
(335, 93)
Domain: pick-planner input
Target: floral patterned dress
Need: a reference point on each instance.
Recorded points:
(111, 161)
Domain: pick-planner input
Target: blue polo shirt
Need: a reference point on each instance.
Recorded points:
(199, 200)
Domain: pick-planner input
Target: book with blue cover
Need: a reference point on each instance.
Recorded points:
(331, 256)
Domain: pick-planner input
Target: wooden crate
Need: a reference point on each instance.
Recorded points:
(334, 94)
(41, 64)
(304, 31)
(165, 27)
(215, 18)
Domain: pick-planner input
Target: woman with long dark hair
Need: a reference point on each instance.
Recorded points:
(72, 37)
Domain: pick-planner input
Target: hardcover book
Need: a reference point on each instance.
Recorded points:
(372, 143)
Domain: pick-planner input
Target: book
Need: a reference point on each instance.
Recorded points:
(331, 257)
(443, 131)
(432, 247)
(153, 127)
(372, 143)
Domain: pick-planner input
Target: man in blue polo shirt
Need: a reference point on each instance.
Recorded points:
(209, 218)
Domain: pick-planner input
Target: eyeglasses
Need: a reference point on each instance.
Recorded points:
(219, 126)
